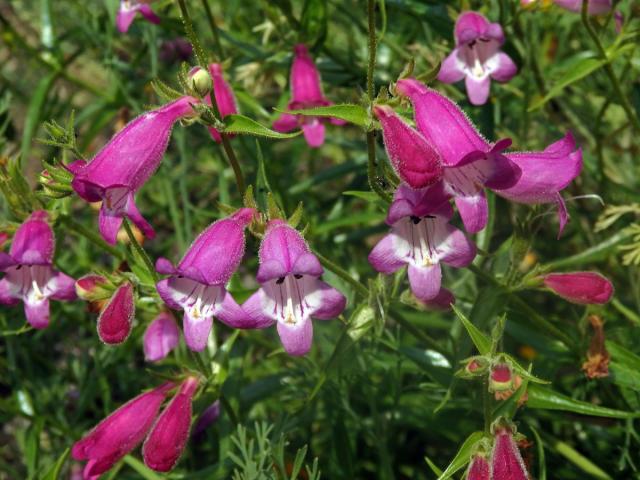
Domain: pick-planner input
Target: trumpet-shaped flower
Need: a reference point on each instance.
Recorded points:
(291, 291)
(124, 164)
(161, 336)
(416, 162)
(306, 92)
(223, 95)
(29, 273)
(119, 433)
(169, 434)
(197, 284)
(115, 320)
(421, 237)
(523, 177)
(584, 288)
(128, 11)
(477, 57)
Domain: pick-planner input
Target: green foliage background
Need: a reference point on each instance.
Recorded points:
(368, 403)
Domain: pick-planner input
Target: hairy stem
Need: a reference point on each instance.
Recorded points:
(139, 250)
(343, 274)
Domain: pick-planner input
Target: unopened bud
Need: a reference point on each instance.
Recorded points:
(501, 378)
(200, 81)
(93, 287)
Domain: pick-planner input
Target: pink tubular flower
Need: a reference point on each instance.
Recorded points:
(523, 177)
(422, 237)
(415, 161)
(197, 284)
(291, 291)
(120, 169)
(161, 336)
(29, 274)
(596, 7)
(170, 432)
(506, 461)
(129, 9)
(223, 95)
(478, 469)
(114, 322)
(306, 92)
(119, 433)
(477, 57)
(580, 287)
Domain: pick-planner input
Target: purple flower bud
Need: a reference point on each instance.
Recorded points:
(415, 161)
(478, 469)
(129, 9)
(122, 167)
(223, 95)
(506, 461)
(170, 432)
(161, 336)
(29, 274)
(210, 415)
(114, 322)
(291, 291)
(119, 433)
(306, 92)
(580, 287)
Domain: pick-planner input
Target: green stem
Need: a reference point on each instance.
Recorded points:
(191, 34)
(343, 274)
(139, 250)
(486, 405)
(372, 173)
(91, 235)
(624, 101)
(233, 161)
(214, 29)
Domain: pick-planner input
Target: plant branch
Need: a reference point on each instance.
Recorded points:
(343, 274)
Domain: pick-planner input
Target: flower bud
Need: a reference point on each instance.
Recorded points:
(200, 81)
(501, 378)
(478, 468)
(92, 287)
(114, 322)
(161, 336)
(476, 366)
(168, 436)
(506, 461)
(580, 287)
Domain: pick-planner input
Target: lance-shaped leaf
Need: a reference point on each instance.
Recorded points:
(348, 112)
(480, 340)
(245, 125)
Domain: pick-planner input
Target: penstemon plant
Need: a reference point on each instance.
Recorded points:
(469, 333)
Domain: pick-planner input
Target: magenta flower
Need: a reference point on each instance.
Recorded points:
(170, 432)
(523, 177)
(223, 95)
(477, 57)
(29, 274)
(506, 461)
(422, 238)
(415, 161)
(197, 284)
(129, 9)
(119, 433)
(595, 7)
(115, 320)
(161, 336)
(124, 164)
(306, 92)
(585, 288)
(291, 291)
(478, 469)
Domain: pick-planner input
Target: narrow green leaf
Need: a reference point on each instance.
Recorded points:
(364, 195)
(434, 468)
(54, 472)
(546, 399)
(542, 465)
(141, 468)
(33, 114)
(580, 461)
(463, 455)
(349, 112)
(245, 125)
(480, 340)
